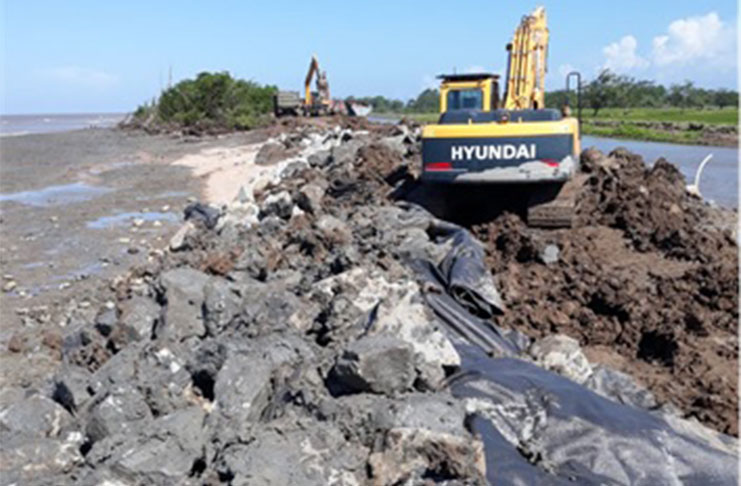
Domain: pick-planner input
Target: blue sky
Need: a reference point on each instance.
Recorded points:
(91, 56)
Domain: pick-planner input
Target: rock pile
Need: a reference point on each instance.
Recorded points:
(288, 338)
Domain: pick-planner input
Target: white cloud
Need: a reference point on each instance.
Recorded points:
(80, 76)
(701, 38)
(622, 55)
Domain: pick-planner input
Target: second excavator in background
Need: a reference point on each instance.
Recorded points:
(315, 103)
(513, 144)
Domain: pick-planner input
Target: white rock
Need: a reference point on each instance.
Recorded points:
(563, 355)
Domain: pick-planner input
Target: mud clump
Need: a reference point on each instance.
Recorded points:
(647, 282)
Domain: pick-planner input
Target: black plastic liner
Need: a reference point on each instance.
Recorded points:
(541, 428)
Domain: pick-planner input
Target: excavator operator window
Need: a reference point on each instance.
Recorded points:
(465, 99)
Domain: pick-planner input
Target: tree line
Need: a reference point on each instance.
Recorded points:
(606, 90)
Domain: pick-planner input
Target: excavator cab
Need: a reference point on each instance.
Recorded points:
(478, 91)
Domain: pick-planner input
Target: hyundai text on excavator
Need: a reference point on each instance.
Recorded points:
(480, 139)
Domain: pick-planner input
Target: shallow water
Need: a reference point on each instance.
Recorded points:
(11, 125)
(126, 218)
(56, 195)
(719, 179)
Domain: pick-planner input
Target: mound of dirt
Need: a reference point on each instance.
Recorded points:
(647, 282)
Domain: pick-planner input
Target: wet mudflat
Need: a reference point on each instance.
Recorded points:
(77, 208)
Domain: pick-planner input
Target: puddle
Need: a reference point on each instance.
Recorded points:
(56, 195)
(126, 218)
(165, 195)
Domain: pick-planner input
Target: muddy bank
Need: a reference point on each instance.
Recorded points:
(305, 333)
(647, 282)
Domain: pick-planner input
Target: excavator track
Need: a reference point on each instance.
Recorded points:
(554, 205)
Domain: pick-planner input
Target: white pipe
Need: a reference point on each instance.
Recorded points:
(694, 188)
(699, 169)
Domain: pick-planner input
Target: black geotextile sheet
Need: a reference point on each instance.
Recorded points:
(541, 428)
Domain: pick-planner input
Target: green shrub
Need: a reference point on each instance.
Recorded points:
(212, 101)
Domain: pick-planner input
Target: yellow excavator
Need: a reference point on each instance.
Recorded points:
(316, 103)
(499, 143)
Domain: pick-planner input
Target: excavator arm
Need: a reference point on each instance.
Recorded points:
(525, 87)
(313, 69)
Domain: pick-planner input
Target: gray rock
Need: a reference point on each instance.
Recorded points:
(294, 168)
(118, 411)
(179, 239)
(106, 321)
(377, 364)
(279, 204)
(184, 292)
(397, 143)
(221, 304)
(165, 453)
(344, 154)
(140, 315)
(403, 314)
(72, 388)
(563, 355)
(333, 230)
(24, 461)
(309, 454)
(320, 158)
(310, 198)
(35, 416)
(270, 153)
(549, 254)
(241, 392)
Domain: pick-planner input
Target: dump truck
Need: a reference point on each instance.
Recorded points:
(482, 139)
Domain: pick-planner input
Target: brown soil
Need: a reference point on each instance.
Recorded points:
(647, 282)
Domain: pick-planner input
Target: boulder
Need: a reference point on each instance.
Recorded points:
(241, 393)
(305, 453)
(562, 355)
(410, 320)
(320, 158)
(24, 461)
(72, 388)
(310, 198)
(34, 416)
(279, 204)
(376, 364)
(344, 154)
(220, 305)
(184, 292)
(122, 410)
(165, 453)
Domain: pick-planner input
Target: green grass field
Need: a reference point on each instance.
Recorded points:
(714, 116)
(726, 116)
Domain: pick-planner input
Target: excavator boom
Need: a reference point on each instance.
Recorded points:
(313, 69)
(527, 63)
